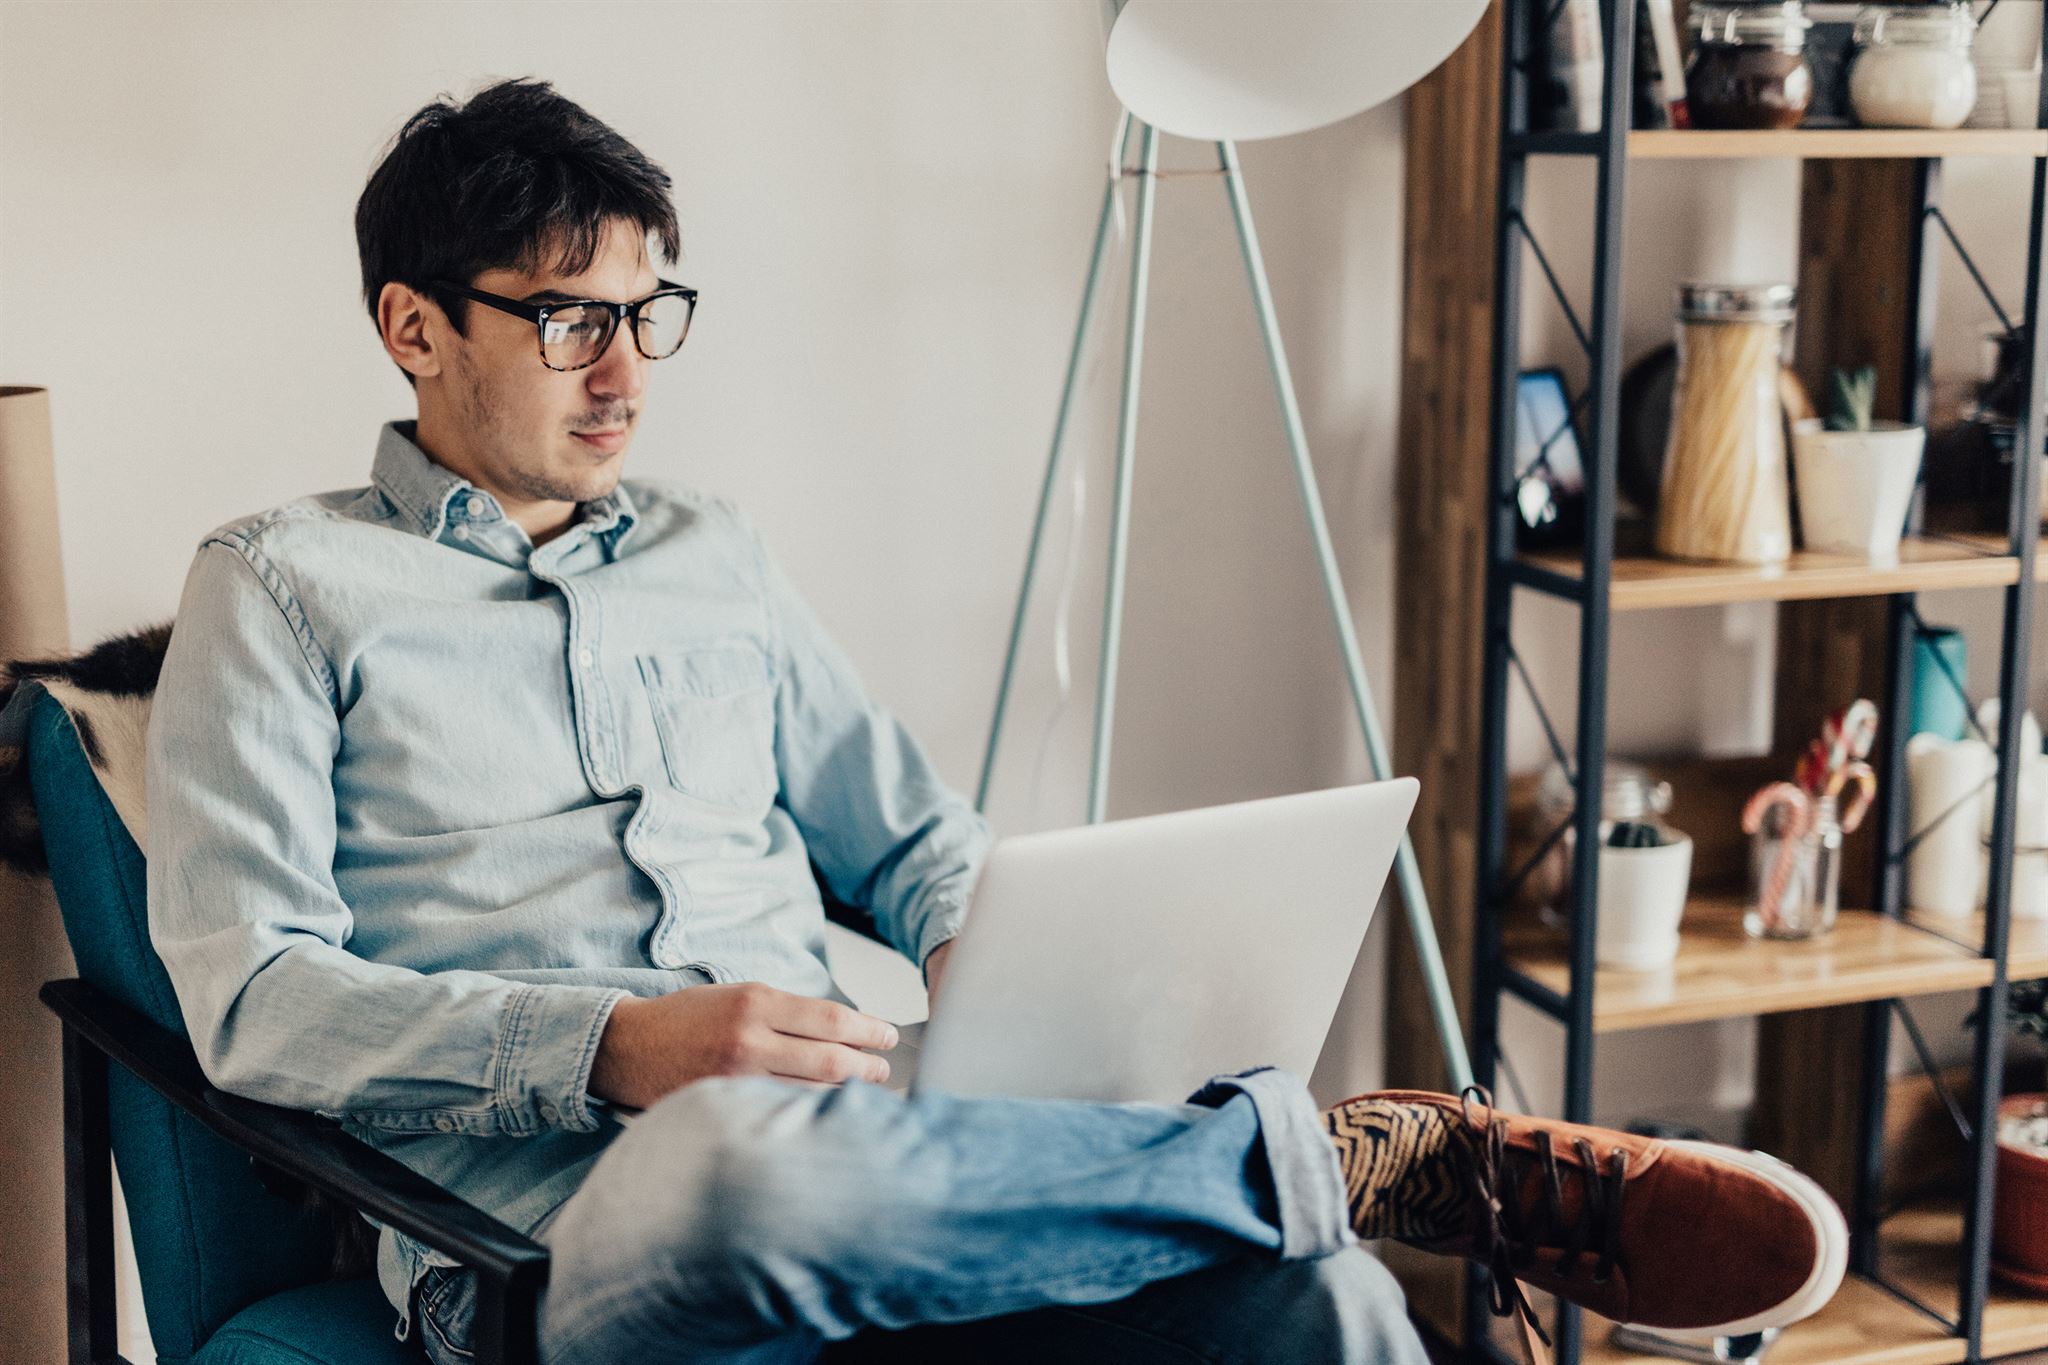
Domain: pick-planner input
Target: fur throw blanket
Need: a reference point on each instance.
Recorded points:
(107, 693)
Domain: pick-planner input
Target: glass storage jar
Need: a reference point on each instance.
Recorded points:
(1795, 875)
(1748, 67)
(1725, 497)
(1629, 795)
(1913, 67)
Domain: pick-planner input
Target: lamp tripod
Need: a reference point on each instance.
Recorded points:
(1409, 879)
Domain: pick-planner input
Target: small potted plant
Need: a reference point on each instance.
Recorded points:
(2019, 1227)
(1855, 475)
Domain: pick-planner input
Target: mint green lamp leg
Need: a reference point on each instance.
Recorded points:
(1413, 898)
(1126, 450)
(1052, 463)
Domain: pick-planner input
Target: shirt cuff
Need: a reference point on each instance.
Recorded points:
(548, 1046)
(941, 926)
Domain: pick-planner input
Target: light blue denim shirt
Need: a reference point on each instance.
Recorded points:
(425, 802)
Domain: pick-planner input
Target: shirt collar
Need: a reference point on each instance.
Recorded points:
(422, 490)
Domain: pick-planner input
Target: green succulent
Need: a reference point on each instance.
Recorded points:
(1634, 834)
(2026, 1009)
(1851, 397)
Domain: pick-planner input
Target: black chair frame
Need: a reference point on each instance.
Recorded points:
(303, 1148)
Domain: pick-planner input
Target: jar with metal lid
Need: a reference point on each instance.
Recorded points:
(1629, 796)
(1748, 67)
(1913, 67)
(1725, 497)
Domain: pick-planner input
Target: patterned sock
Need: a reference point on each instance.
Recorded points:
(1400, 1169)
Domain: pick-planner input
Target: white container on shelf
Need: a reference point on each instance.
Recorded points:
(1855, 486)
(1946, 792)
(1913, 67)
(2007, 53)
(1641, 900)
(2021, 97)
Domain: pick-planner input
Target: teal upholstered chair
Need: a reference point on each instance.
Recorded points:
(234, 1264)
(233, 1271)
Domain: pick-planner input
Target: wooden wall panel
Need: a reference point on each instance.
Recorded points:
(1452, 156)
(1453, 134)
(1857, 228)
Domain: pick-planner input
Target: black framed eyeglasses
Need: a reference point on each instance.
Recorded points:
(574, 333)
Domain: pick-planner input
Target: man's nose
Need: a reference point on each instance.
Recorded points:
(621, 372)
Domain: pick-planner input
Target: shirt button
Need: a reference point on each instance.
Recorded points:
(547, 1112)
(475, 505)
(445, 1125)
(460, 532)
(585, 657)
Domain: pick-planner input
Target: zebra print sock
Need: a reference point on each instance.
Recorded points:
(1400, 1173)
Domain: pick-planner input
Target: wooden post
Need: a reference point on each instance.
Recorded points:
(1858, 225)
(1451, 169)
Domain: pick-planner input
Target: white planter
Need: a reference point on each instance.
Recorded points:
(1855, 486)
(1642, 898)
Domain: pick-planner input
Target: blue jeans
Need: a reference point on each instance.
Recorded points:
(754, 1222)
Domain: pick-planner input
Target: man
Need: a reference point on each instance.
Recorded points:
(487, 796)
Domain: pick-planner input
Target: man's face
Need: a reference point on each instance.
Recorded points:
(534, 434)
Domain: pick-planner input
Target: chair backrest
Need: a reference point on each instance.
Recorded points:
(209, 1238)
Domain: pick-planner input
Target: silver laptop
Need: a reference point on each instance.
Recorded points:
(1136, 959)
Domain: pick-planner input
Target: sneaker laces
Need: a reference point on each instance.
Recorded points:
(1509, 1234)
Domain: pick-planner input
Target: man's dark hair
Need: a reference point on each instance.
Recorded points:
(516, 175)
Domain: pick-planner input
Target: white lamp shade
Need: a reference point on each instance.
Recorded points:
(1239, 70)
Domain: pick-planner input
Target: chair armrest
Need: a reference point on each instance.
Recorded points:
(512, 1267)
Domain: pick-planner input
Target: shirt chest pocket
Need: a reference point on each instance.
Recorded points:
(714, 714)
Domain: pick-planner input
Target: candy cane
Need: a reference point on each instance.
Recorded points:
(1792, 827)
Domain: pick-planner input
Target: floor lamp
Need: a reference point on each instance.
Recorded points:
(1228, 71)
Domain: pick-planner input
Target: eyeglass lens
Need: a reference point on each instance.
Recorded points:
(576, 336)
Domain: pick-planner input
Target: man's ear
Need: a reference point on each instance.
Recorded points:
(411, 324)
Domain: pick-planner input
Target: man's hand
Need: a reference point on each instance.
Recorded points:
(650, 1047)
(935, 968)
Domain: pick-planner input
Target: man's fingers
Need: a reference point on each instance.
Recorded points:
(806, 1059)
(831, 1022)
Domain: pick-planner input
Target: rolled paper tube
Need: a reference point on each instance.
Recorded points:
(1947, 794)
(32, 946)
(32, 612)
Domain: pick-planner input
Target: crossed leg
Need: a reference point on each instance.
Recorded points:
(751, 1222)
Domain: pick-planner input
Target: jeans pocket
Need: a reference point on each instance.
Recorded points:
(447, 1314)
(714, 714)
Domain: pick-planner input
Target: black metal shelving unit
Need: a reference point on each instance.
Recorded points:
(1508, 574)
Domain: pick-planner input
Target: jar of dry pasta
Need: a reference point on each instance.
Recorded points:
(1724, 497)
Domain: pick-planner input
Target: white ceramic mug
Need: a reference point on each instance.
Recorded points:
(1642, 898)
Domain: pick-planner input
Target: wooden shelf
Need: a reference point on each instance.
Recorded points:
(1862, 1325)
(1866, 1325)
(1926, 564)
(1722, 973)
(1827, 143)
(1920, 1251)
(2026, 953)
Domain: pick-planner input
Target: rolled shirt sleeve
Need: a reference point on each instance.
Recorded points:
(244, 910)
(886, 832)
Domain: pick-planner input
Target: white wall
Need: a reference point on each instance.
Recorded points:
(887, 207)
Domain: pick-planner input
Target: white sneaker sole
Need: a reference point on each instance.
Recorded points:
(1830, 1232)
